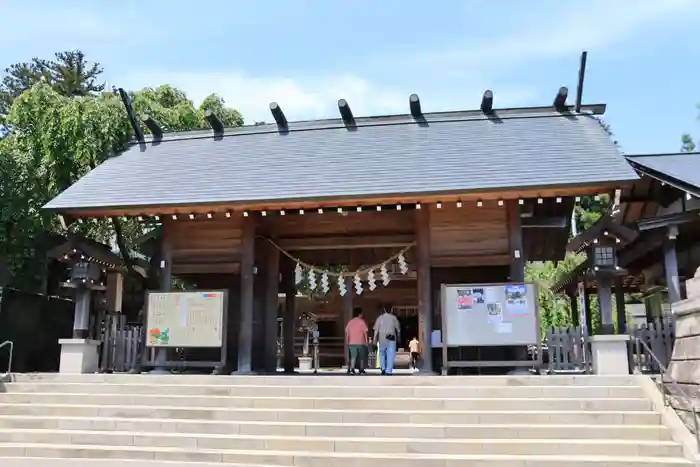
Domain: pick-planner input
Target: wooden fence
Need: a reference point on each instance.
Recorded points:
(568, 350)
(121, 344)
(659, 337)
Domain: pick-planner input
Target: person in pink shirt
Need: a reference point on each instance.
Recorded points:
(356, 337)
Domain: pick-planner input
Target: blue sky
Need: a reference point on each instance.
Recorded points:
(306, 54)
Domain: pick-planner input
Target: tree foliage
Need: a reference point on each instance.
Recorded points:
(172, 110)
(69, 73)
(555, 310)
(62, 126)
(687, 143)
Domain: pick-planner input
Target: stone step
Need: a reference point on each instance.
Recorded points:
(327, 459)
(339, 430)
(325, 403)
(327, 444)
(375, 391)
(335, 380)
(587, 417)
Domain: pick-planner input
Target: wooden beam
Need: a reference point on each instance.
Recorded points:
(425, 310)
(587, 312)
(152, 126)
(487, 102)
(349, 201)
(575, 314)
(345, 112)
(289, 325)
(279, 116)
(245, 339)
(206, 268)
(620, 305)
(667, 220)
(671, 270)
(345, 242)
(165, 282)
(470, 261)
(544, 222)
(272, 279)
(214, 122)
(515, 242)
(414, 106)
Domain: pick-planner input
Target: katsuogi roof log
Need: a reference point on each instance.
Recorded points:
(446, 153)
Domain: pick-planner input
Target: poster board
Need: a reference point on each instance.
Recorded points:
(490, 314)
(185, 319)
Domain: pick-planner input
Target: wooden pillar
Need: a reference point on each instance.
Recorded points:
(515, 242)
(587, 311)
(290, 318)
(259, 295)
(671, 266)
(620, 305)
(245, 332)
(115, 291)
(165, 285)
(574, 307)
(604, 284)
(517, 258)
(346, 315)
(272, 279)
(425, 309)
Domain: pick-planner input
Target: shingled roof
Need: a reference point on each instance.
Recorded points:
(448, 152)
(680, 170)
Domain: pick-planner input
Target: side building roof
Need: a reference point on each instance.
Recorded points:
(448, 152)
(680, 170)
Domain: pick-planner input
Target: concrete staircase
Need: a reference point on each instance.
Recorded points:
(333, 421)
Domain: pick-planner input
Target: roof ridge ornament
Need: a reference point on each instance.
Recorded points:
(214, 121)
(279, 117)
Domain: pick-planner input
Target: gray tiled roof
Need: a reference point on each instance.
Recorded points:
(448, 152)
(684, 167)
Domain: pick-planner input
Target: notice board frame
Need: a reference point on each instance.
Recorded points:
(148, 358)
(447, 364)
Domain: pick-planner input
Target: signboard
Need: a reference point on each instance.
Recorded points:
(490, 315)
(185, 319)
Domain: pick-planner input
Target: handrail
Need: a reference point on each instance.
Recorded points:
(9, 359)
(676, 384)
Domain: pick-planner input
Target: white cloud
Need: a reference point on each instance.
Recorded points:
(596, 26)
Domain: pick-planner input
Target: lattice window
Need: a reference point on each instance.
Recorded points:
(604, 256)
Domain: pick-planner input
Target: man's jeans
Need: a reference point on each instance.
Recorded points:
(387, 355)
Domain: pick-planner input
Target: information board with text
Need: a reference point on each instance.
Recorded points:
(490, 314)
(185, 319)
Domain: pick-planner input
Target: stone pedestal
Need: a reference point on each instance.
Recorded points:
(79, 356)
(610, 354)
(305, 364)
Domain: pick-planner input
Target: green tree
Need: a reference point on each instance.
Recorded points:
(69, 73)
(555, 310)
(55, 140)
(215, 103)
(173, 111)
(687, 143)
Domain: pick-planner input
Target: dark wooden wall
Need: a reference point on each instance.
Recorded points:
(468, 236)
